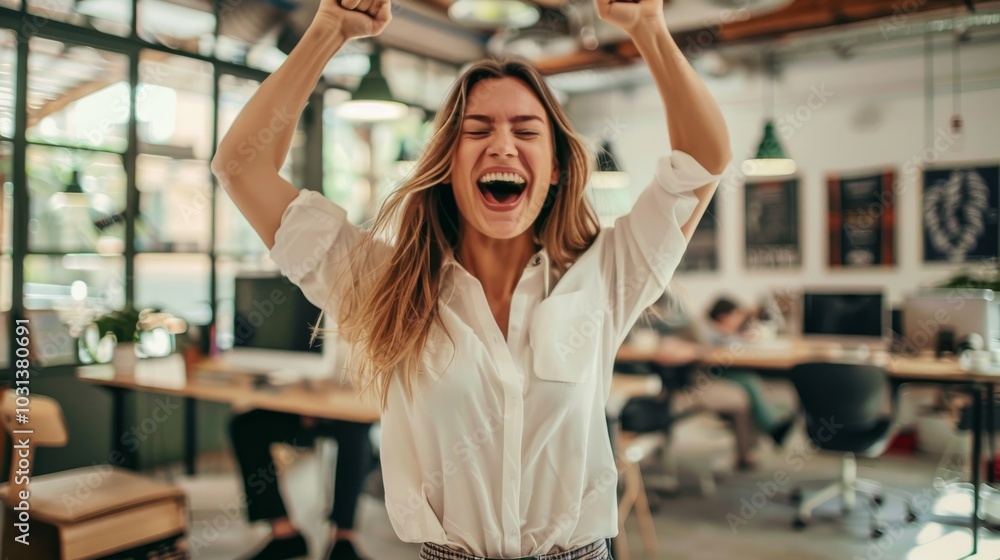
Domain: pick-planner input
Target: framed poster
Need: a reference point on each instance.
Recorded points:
(772, 224)
(702, 252)
(960, 222)
(861, 220)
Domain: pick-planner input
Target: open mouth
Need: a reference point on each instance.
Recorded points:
(501, 190)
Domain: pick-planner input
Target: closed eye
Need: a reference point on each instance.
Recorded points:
(527, 133)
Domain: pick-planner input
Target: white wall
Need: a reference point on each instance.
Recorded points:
(874, 118)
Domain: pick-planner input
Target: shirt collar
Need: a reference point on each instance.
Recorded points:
(537, 259)
(450, 267)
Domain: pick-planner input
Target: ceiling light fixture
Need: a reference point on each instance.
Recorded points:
(494, 14)
(608, 174)
(72, 196)
(372, 101)
(770, 160)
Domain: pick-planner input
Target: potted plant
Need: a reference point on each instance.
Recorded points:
(124, 326)
(985, 278)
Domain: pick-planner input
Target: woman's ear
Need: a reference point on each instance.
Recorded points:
(555, 173)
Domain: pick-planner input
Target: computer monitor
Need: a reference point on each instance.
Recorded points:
(271, 313)
(858, 316)
(934, 319)
(272, 327)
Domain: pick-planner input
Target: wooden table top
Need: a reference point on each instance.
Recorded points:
(785, 355)
(319, 400)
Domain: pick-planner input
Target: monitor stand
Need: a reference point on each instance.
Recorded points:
(313, 365)
(853, 348)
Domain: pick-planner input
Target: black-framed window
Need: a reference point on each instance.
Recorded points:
(108, 122)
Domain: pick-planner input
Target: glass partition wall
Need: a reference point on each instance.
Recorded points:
(108, 123)
(110, 113)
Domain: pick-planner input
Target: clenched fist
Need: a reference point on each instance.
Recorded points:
(354, 18)
(630, 15)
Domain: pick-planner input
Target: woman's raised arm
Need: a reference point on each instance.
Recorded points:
(694, 121)
(246, 165)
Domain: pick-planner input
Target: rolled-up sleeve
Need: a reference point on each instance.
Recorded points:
(312, 244)
(646, 245)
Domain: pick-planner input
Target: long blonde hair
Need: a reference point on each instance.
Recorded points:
(388, 306)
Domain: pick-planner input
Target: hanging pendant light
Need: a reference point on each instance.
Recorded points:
(372, 101)
(770, 160)
(72, 196)
(608, 174)
(494, 14)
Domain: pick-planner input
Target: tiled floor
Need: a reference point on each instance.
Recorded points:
(688, 525)
(740, 521)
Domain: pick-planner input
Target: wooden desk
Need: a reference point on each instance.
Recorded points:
(237, 389)
(783, 356)
(325, 402)
(919, 368)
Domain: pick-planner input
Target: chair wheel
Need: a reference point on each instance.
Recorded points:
(878, 500)
(795, 497)
(911, 516)
(878, 531)
(799, 523)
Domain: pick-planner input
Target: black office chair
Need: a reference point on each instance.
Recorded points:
(842, 407)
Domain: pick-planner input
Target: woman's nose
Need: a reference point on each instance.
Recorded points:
(502, 145)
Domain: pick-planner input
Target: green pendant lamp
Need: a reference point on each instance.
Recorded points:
(372, 101)
(771, 160)
(72, 196)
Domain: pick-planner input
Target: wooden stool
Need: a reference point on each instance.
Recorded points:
(82, 513)
(633, 449)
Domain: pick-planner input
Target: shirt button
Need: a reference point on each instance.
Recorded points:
(537, 261)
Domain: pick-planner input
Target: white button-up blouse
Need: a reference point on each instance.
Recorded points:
(504, 450)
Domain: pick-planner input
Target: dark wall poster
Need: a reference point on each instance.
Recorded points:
(702, 251)
(772, 224)
(862, 220)
(960, 213)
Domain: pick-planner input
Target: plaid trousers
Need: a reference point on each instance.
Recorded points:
(594, 551)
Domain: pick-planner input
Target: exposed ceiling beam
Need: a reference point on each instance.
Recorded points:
(802, 15)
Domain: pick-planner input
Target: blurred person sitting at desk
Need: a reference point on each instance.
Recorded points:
(253, 433)
(677, 347)
(731, 324)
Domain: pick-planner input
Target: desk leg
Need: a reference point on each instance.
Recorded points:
(991, 434)
(126, 455)
(190, 435)
(977, 452)
(613, 425)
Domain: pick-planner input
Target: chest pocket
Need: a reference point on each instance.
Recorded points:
(566, 334)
